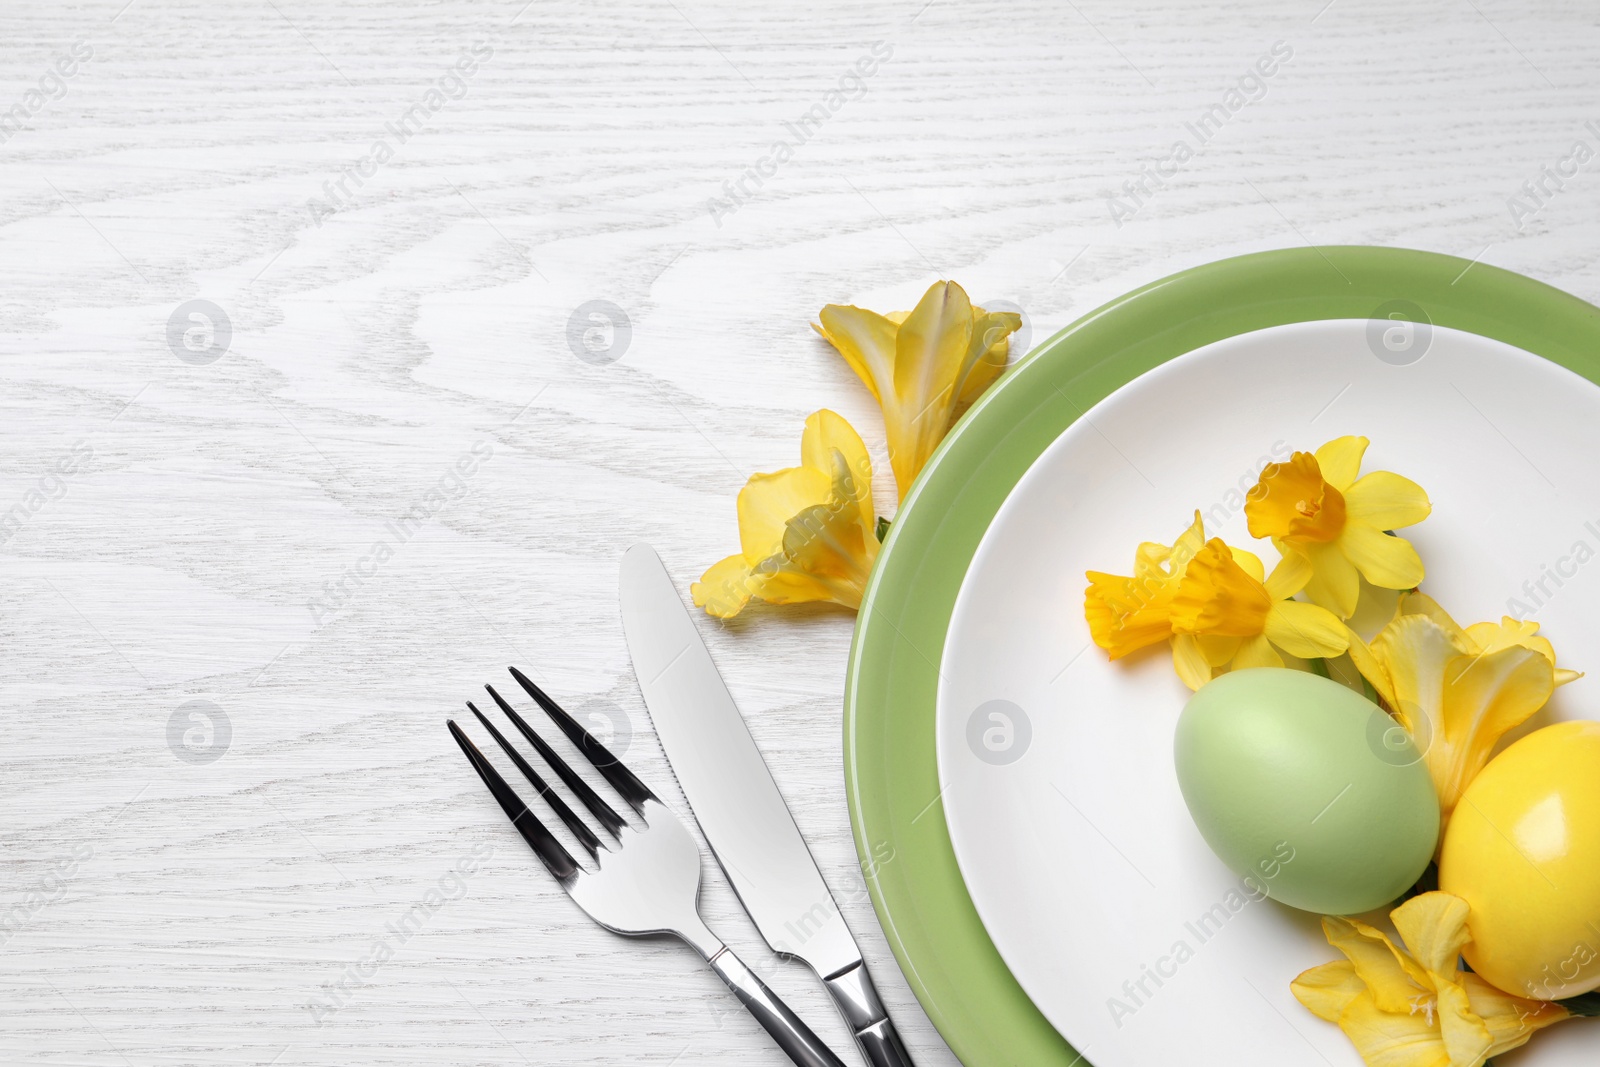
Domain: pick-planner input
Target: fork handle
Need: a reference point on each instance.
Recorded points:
(786, 1028)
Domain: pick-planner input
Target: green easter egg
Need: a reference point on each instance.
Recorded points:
(1306, 788)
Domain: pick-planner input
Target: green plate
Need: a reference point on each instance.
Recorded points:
(891, 770)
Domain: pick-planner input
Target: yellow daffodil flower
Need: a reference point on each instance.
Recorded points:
(924, 366)
(1316, 506)
(1414, 1006)
(806, 533)
(1215, 605)
(1457, 691)
(1226, 616)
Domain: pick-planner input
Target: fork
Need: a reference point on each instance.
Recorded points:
(643, 881)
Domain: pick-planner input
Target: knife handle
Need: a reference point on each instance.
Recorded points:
(858, 1002)
(786, 1028)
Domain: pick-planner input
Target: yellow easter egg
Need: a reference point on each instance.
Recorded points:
(1523, 850)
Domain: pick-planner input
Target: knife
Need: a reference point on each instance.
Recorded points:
(737, 804)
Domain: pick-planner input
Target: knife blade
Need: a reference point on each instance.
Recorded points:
(737, 803)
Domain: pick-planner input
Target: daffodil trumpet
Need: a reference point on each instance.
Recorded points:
(1320, 507)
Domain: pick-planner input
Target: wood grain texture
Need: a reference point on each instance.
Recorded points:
(170, 912)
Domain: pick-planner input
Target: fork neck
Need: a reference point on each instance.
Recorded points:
(697, 933)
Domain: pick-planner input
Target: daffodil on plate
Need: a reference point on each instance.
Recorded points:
(1490, 862)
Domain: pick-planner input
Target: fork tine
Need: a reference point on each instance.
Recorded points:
(593, 801)
(580, 829)
(622, 780)
(557, 860)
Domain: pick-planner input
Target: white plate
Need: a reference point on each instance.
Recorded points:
(1079, 854)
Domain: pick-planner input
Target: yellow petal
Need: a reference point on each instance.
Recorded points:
(1150, 560)
(1291, 574)
(1434, 928)
(932, 344)
(1306, 630)
(1392, 977)
(1250, 563)
(1485, 696)
(866, 340)
(930, 355)
(1385, 561)
(784, 584)
(1327, 990)
(820, 566)
(833, 543)
(1335, 583)
(1396, 1039)
(1511, 1020)
(827, 433)
(990, 349)
(1371, 668)
(1256, 652)
(1219, 651)
(1375, 609)
(1466, 1038)
(984, 373)
(1189, 661)
(769, 501)
(1490, 637)
(1415, 652)
(1418, 603)
(826, 555)
(1183, 549)
(724, 589)
(1340, 460)
(1387, 501)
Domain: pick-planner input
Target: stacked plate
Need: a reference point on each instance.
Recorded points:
(1012, 792)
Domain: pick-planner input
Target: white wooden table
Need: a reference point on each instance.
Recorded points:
(390, 308)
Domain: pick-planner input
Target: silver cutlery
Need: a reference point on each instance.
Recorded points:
(639, 881)
(732, 794)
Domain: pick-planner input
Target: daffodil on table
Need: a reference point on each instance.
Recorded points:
(806, 533)
(924, 366)
(811, 533)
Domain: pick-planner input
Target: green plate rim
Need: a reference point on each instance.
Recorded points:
(891, 776)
